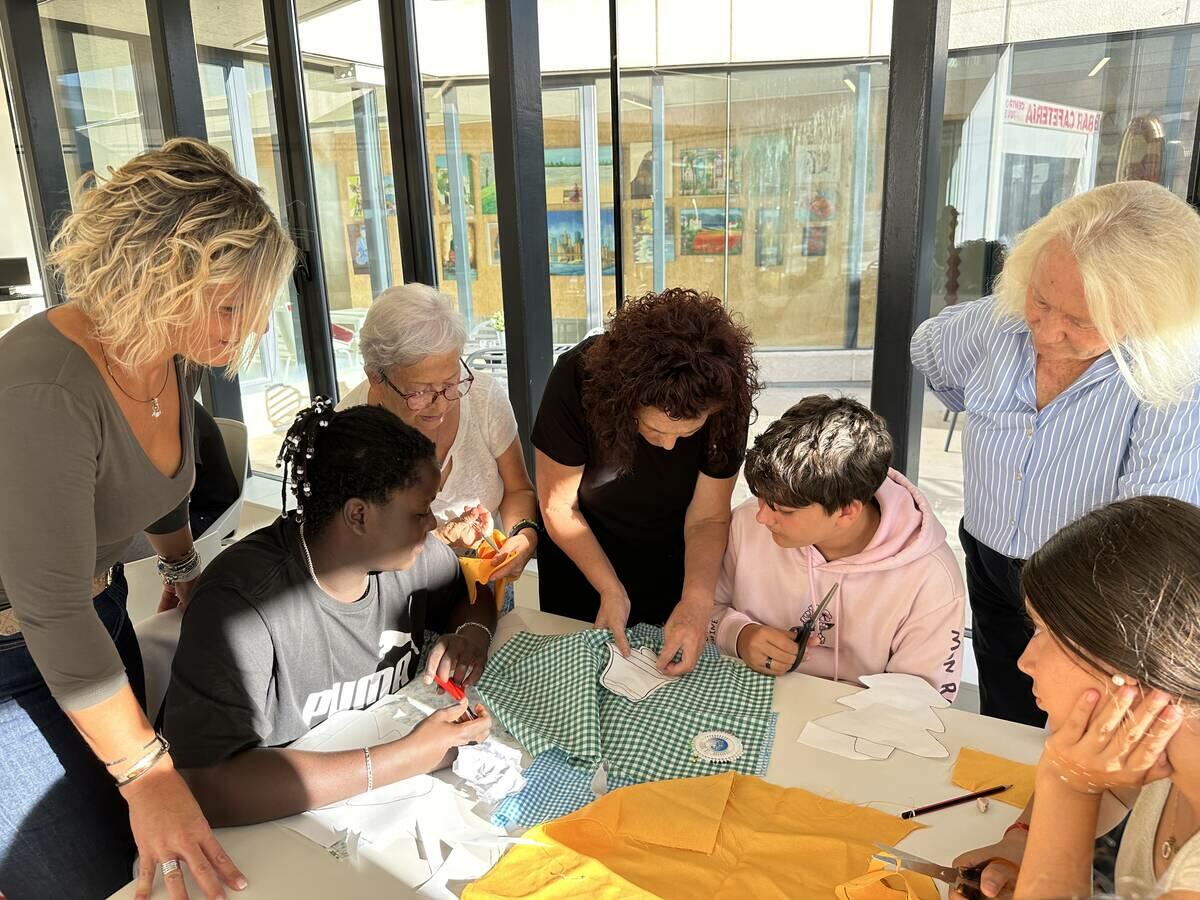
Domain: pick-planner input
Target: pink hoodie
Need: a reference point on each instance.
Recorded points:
(899, 605)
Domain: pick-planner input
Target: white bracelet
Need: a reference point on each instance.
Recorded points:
(486, 630)
(370, 769)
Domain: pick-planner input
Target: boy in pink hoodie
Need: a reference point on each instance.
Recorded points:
(829, 510)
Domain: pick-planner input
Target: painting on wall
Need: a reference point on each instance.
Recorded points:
(643, 235)
(564, 173)
(493, 230)
(354, 190)
(816, 240)
(817, 177)
(768, 238)
(449, 252)
(702, 232)
(487, 183)
(564, 237)
(704, 173)
(441, 182)
(641, 164)
(360, 260)
(608, 242)
(768, 164)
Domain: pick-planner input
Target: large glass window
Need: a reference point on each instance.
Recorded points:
(239, 113)
(20, 278)
(452, 48)
(98, 57)
(352, 168)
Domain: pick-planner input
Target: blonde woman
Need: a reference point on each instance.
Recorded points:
(173, 260)
(1080, 381)
(412, 345)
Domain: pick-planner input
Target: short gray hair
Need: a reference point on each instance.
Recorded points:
(408, 323)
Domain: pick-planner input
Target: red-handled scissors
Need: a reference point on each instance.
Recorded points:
(964, 879)
(456, 693)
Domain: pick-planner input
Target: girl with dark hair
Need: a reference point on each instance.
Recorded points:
(325, 610)
(1114, 600)
(639, 438)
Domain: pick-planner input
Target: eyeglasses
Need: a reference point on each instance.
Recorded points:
(419, 400)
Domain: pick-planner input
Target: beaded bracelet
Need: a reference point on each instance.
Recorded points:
(185, 569)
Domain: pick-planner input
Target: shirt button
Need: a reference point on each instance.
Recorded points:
(1018, 476)
(1028, 432)
(1012, 523)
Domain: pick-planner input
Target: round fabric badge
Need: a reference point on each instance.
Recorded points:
(717, 746)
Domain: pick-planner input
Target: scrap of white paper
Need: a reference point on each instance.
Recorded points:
(904, 729)
(845, 745)
(491, 768)
(898, 690)
(634, 677)
(895, 711)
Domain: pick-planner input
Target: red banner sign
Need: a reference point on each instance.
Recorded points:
(1035, 113)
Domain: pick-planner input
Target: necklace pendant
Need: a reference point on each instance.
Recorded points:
(155, 409)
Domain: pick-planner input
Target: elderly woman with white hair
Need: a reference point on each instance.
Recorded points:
(412, 343)
(1080, 384)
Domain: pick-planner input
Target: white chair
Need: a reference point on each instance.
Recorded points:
(158, 633)
(236, 441)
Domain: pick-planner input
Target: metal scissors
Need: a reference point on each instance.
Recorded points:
(964, 879)
(803, 632)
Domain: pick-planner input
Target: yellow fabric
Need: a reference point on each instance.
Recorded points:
(883, 883)
(976, 770)
(723, 836)
(478, 569)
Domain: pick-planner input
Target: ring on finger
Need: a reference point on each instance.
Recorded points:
(768, 662)
(169, 867)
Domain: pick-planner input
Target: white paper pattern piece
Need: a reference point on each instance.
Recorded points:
(634, 677)
(491, 768)
(894, 711)
(814, 735)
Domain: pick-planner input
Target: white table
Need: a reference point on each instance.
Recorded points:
(279, 863)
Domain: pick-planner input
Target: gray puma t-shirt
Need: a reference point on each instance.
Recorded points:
(264, 655)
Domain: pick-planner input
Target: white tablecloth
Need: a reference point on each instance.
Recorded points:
(279, 863)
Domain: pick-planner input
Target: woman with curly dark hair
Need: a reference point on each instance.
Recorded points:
(639, 439)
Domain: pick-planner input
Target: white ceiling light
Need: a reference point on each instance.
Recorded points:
(1098, 66)
(850, 84)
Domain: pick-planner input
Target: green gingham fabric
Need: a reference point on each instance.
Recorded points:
(545, 690)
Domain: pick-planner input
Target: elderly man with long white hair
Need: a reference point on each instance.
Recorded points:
(412, 344)
(1079, 378)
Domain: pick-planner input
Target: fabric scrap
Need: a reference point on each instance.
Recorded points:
(721, 836)
(975, 770)
(545, 689)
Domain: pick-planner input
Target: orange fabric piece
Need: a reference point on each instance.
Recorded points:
(976, 770)
(478, 569)
(722, 836)
(883, 883)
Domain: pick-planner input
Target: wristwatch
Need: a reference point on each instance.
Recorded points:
(521, 526)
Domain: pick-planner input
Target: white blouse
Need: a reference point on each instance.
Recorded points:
(486, 428)
(1135, 859)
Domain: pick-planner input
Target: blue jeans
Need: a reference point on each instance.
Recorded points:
(64, 827)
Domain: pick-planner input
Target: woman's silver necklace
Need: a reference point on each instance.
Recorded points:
(155, 409)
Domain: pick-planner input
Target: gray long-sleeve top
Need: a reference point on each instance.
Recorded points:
(75, 486)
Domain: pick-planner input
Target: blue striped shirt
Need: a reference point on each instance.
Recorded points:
(1027, 473)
